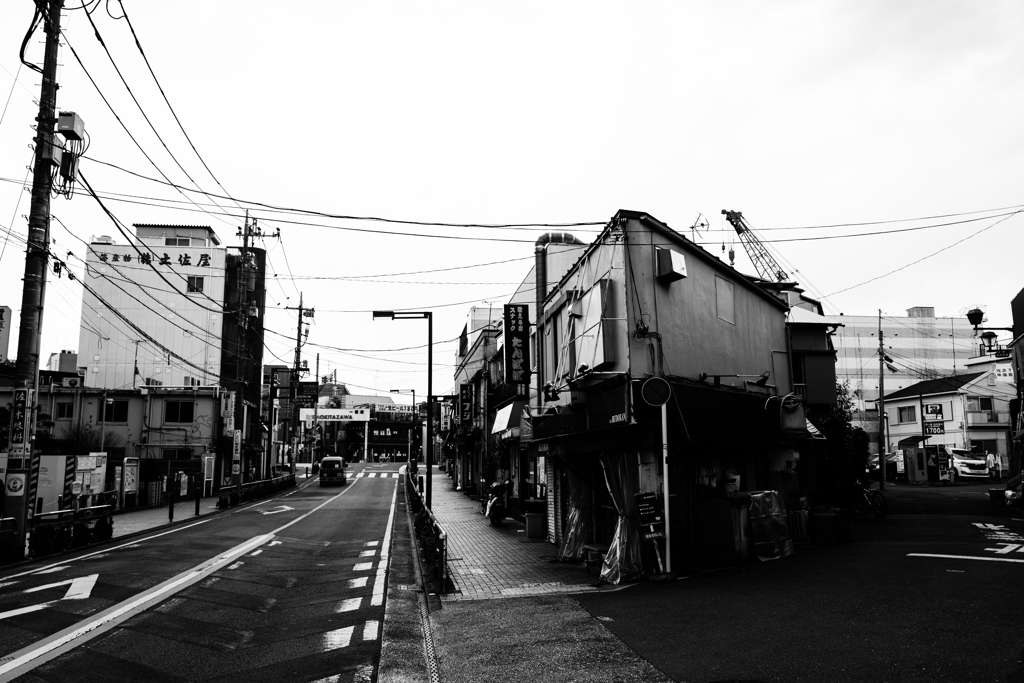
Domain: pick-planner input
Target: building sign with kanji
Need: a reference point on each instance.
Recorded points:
(465, 402)
(5, 332)
(158, 258)
(19, 421)
(517, 343)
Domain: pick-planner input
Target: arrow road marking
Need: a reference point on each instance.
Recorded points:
(80, 589)
(1007, 549)
(281, 508)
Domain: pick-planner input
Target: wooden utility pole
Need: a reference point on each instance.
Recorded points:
(33, 295)
(293, 387)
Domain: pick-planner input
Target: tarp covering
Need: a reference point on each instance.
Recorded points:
(622, 561)
(769, 527)
(580, 521)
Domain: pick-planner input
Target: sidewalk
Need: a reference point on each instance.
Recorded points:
(511, 613)
(133, 521)
(489, 562)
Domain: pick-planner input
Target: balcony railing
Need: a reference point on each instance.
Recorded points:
(988, 417)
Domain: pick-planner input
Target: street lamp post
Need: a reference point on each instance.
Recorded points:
(429, 446)
(410, 468)
(976, 317)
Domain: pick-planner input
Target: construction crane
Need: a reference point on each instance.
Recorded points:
(767, 267)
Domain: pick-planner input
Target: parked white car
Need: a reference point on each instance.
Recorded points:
(967, 465)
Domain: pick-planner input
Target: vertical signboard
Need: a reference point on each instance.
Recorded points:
(465, 402)
(227, 410)
(5, 332)
(236, 452)
(517, 343)
(19, 425)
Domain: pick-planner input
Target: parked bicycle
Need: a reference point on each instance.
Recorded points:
(867, 501)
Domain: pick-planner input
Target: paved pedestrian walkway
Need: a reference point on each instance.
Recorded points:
(489, 562)
(143, 519)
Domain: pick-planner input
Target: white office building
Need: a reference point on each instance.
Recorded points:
(152, 312)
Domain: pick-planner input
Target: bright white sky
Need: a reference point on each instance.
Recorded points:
(795, 113)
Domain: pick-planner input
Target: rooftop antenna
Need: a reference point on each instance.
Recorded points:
(699, 223)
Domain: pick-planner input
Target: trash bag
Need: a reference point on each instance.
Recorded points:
(769, 527)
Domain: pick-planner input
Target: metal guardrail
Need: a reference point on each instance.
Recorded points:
(438, 534)
(230, 495)
(60, 530)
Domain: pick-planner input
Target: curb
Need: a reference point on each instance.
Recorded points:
(403, 639)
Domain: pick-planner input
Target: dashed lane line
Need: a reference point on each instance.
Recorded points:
(965, 557)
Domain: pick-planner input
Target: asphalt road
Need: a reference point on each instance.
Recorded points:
(902, 601)
(285, 589)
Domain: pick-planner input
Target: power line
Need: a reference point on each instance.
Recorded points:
(924, 258)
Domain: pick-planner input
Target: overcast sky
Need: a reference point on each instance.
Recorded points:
(798, 114)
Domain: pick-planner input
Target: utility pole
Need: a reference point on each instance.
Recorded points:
(241, 355)
(34, 293)
(881, 405)
(316, 413)
(294, 384)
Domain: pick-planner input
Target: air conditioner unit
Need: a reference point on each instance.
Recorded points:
(72, 381)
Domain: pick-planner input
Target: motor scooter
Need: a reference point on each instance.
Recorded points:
(496, 504)
(1014, 491)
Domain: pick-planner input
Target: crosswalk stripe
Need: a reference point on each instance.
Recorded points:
(362, 566)
(358, 583)
(370, 630)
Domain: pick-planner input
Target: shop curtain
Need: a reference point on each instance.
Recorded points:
(622, 561)
(580, 522)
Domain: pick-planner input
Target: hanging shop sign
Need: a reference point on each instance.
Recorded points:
(517, 343)
(465, 402)
(934, 428)
(933, 411)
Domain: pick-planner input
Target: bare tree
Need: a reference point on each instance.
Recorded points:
(83, 439)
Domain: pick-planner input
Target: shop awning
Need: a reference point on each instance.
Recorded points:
(508, 417)
(911, 440)
(813, 431)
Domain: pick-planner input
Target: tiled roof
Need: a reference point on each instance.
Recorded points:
(942, 385)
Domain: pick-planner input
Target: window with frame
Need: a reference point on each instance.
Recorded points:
(65, 411)
(725, 300)
(177, 454)
(979, 403)
(116, 410)
(908, 414)
(195, 284)
(179, 411)
(177, 241)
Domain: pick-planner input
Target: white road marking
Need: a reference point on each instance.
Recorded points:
(358, 583)
(372, 543)
(338, 638)
(965, 557)
(1007, 549)
(236, 565)
(53, 569)
(280, 508)
(26, 659)
(79, 590)
(380, 585)
(133, 544)
(362, 566)
(255, 552)
(370, 630)
(349, 605)
(273, 543)
(367, 553)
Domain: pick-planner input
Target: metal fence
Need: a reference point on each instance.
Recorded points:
(230, 495)
(56, 531)
(438, 537)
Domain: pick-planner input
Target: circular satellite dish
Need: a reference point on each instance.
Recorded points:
(656, 391)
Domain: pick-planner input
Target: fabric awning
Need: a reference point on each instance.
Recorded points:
(508, 417)
(813, 431)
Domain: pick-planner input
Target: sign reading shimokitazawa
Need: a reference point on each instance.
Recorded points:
(517, 343)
